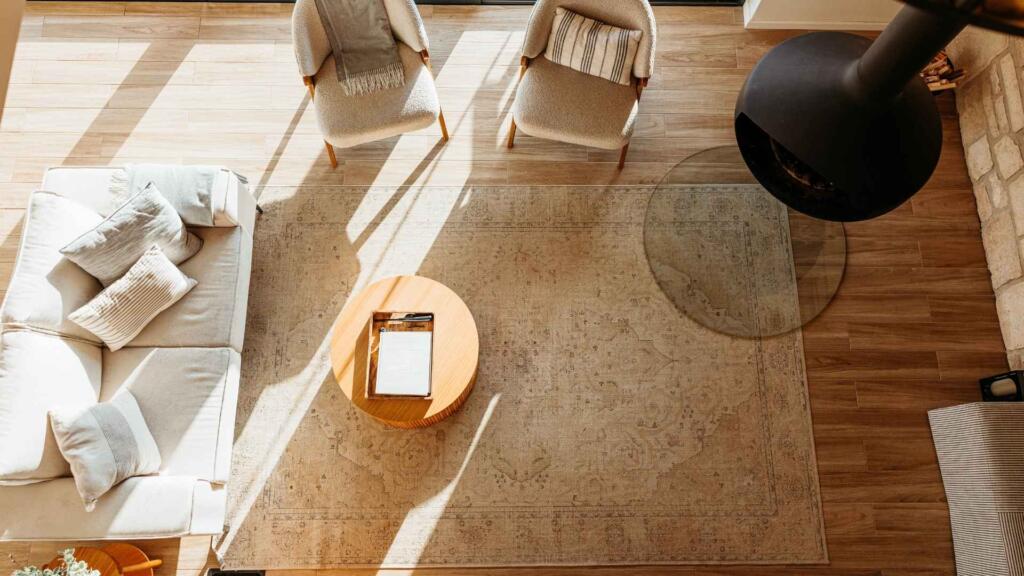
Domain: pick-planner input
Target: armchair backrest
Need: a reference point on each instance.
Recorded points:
(312, 46)
(631, 14)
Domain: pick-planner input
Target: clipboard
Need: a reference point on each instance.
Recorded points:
(404, 340)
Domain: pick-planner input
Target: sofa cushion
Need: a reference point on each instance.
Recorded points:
(347, 121)
(187, 397)
(213, 313)
(45, 286)
(38, 372)
(89, 186)
(231, 202)
(559, 103)
(190, 189)
(143, 507)
(114, 245)
(121, 311)
(105, 444)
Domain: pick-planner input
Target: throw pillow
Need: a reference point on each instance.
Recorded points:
(121, 311)
(190, 189)
(105, 444)
(114, 245)
(593, 47)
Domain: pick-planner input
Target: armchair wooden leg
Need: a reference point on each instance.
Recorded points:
(622, 156)
(330, 154)
(444, 126)
(512, 134)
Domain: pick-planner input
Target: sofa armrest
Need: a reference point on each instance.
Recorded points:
(209, 509)
(232, 203)
(226, 433)
(139, 508)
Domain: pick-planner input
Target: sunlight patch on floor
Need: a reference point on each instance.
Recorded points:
(420, 522)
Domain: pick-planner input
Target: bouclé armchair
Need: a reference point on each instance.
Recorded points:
(559, 103)
(347, 121)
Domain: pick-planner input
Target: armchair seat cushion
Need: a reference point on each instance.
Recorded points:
(347, 121)
(559, 103)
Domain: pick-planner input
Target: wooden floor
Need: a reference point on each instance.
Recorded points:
(913, 327)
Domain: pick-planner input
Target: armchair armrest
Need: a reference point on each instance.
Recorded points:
(407, 24)
(309, 39)
(535, 41)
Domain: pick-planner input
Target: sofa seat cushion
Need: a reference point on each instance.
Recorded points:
(38, 372)
(213, 313)
(559, 103)
(347, 121)
(143, 507)
(45, 287)
(187, 397)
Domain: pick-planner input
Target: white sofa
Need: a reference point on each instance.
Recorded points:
(183, 369)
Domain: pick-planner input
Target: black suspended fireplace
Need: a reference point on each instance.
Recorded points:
(842, 128)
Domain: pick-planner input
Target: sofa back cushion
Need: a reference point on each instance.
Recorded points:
(192, 190)
(45, 286)
(38, 372)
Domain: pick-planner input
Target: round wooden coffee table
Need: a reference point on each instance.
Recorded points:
(456, 349)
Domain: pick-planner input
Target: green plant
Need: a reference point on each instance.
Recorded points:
(70, 567)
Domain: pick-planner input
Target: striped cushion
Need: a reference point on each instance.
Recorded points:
(980, 447)
(109, 250)
(105, 444)
(120, 312)
(593, 47)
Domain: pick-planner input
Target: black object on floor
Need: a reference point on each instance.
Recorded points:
(1003, 387)
(219, 572)
(842, 128)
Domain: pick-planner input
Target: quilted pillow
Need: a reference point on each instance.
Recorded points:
(593, 47)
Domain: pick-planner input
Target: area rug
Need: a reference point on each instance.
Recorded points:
(606, 427)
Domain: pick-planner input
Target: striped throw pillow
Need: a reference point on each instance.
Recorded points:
(121, 311)
(593, 47)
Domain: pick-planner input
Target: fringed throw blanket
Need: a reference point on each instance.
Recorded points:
(364, 50)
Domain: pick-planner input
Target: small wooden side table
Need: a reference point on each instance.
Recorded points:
(456, 349)
(117, 559)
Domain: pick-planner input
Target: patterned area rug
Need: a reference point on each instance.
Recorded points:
(606, 427)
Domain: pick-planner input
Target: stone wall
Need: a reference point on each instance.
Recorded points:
(991, 106)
